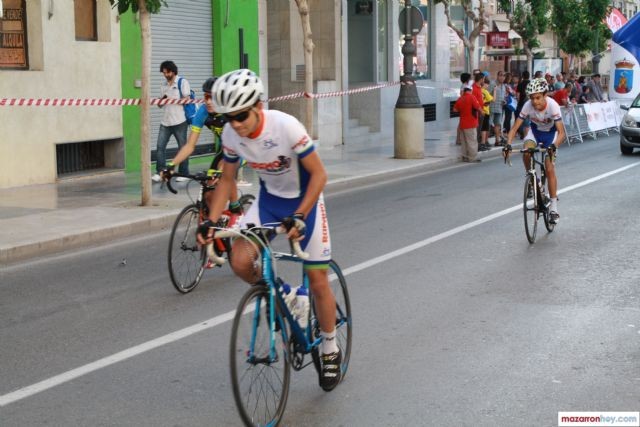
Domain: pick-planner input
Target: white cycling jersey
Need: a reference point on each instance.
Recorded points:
(274, 152)
(545, 120)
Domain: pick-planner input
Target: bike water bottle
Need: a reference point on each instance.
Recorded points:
(289, 296)
(302, 307)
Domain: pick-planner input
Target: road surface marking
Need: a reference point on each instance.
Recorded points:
(30, 390)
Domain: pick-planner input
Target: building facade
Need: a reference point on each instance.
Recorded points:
(58, 50)
(83, 49)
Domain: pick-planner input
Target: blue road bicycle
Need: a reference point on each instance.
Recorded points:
(266, 339)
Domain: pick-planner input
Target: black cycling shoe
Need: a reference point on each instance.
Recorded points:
(331, 374)
(554, 217)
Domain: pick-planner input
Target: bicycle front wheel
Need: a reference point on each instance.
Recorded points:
(530, 208)
(186, 260)
(343, 320)
(260, 369)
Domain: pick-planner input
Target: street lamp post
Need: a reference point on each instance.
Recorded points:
(408, 115)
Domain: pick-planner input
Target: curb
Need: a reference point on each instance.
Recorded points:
(162, 221)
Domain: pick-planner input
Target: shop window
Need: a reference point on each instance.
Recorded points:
(422, 43)
(13, 35)
(86, 20)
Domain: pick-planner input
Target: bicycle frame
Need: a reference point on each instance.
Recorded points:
(533, 161)
(302, 336)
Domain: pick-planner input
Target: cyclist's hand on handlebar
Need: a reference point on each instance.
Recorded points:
(506, 151)
(167, 173)
(205, 232)
(295, 226)
(235, 208)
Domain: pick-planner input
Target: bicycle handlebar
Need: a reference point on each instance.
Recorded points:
(201, 177)
(227, 233)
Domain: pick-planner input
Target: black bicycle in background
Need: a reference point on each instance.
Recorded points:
(187, 260)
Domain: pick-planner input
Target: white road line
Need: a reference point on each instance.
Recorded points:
(223, 318)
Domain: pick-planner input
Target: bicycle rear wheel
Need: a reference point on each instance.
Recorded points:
(530, 208)
(186, 260)
(343, 320)
(260, 369)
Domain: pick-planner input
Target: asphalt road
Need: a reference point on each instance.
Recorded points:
(470, 326)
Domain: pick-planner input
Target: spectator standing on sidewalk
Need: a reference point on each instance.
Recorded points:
(499, 93)
(465, 80)
(561, 96)
(510, 90)
(469, 108)
(173, 121)
(487, 98)
(522, 98)
(596, 91)
(476, 91)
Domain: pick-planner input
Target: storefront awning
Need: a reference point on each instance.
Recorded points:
(513, 35)
(499, 52)
(502, 25)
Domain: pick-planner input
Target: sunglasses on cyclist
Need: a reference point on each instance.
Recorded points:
(240, 117)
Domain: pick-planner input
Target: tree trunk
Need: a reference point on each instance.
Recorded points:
(303, 9)
(529, 61)
(472, 62)
(145, 157)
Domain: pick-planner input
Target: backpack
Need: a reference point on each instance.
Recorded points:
(189, 109)
(511, 103)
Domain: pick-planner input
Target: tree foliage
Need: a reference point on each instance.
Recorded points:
(579, 25)
(529, 19)
(153, 6)
(476, 14)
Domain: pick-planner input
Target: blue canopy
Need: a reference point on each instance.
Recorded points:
(629, 36)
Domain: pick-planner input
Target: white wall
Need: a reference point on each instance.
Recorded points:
(66, 69)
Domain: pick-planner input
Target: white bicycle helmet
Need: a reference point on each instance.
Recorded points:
(236, 90)
(537, 86)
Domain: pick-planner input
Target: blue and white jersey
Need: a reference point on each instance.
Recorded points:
(274, 151)
(545, 120)
(543, 123)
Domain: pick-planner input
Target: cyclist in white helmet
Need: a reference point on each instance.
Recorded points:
(547, 130)
(292, 177)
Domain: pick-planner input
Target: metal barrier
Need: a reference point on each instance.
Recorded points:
(591, 119)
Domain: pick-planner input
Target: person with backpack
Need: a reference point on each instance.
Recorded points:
(174, 121)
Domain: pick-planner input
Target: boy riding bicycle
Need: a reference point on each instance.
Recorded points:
(292, 178)
(547, 130)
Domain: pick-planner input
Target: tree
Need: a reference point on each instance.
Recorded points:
(528, 18)
(579, 25)
(477, 15)
(303, 9)
(144, 7)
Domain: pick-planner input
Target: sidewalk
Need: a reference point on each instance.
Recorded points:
(43, 219)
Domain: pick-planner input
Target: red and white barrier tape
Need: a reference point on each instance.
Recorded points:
(78, 102)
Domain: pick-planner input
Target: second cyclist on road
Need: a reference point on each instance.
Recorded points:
(547, 130)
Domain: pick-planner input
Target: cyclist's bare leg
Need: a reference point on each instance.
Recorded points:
(324, 299)
(244, 266)
(243, 261)
(526, 159)
(552, 180)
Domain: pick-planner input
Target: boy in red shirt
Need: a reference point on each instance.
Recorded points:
(469, 108)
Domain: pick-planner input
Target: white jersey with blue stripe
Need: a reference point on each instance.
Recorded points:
(545, 120)
(274, 152)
